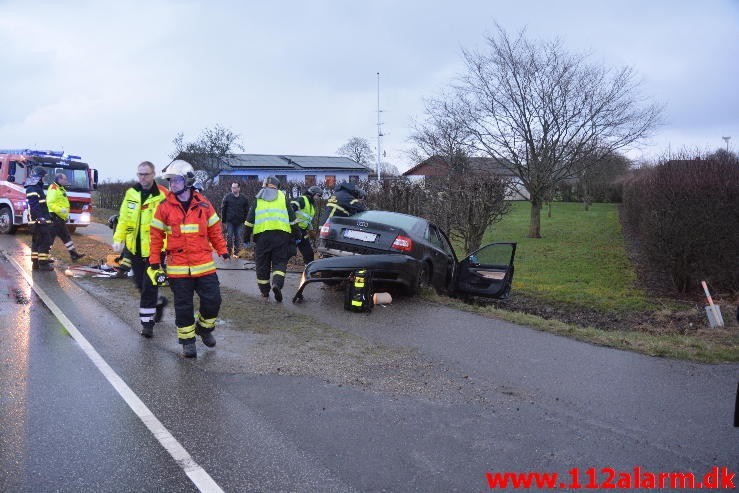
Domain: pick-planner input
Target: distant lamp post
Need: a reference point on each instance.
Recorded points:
(727, 139)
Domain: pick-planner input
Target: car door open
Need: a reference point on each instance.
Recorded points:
(487, 272)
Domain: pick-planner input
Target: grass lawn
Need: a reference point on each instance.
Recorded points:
(580, 258)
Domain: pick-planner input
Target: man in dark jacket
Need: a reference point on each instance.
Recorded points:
(346, 201)
(43, 229)
(233, 214)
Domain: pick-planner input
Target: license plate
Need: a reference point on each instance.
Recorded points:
(359, 235)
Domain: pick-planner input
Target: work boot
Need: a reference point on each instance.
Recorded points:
(147, 331)
(161, 303)
(46, 266)
(208, 339)
(76, 256)
(188, 349)
(206, 335)
(278, 294)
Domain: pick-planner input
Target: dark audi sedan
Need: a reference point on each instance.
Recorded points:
(409, 252)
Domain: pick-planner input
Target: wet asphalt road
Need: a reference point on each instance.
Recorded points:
(555, 404)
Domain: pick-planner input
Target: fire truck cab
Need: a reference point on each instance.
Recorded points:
(16, 166)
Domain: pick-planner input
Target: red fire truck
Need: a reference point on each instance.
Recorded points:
(16, 166)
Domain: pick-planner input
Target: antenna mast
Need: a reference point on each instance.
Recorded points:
(379, 130)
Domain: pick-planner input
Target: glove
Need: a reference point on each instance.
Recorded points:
(225, 256)
(117, 247)
(157, 275)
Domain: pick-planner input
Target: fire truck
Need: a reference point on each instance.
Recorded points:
(16, 166)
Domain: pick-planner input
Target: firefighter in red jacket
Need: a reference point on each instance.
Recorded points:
(190, 225)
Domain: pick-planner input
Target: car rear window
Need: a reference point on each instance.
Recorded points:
(400, 221)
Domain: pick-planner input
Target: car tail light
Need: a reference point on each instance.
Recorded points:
(324, 230)
(403, 244)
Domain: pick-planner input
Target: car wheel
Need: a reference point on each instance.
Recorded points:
(6, 221)
(422, 279)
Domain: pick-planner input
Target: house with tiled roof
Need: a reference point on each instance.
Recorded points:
(436, 166)
(311, 170)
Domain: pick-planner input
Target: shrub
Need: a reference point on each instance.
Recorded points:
(686, 215)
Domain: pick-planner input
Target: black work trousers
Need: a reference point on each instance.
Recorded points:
(305, 247)
(41, 239)
(208, 290)
(60, 230)
(271, 253)
(149, 292)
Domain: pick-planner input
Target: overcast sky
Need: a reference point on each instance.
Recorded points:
(115, 82)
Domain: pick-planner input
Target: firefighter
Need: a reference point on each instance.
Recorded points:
(132, 234)
(192, 229)
(272, 222)
(346, 201)
(58, 203)
(43, 233)
(305, 209)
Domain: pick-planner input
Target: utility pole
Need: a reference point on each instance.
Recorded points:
(727, 139)
(379, 130)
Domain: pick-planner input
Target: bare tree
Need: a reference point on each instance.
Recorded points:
(441, 134)
(357, 149)
(545, 113)
(387, 169)
(209, 151)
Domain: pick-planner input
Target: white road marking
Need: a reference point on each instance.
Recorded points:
(197, 474)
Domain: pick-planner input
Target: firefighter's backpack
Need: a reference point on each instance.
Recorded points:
(358, 293)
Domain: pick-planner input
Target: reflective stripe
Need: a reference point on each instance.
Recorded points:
(206, 323)
(262, 281)
(356, 303)
(186, 332)
(247, 223)
(336, 207)
(156, 223)
(267, 217)
(213, 219)
(304, 216)
(194, 270)
(32, 194)
(278, 273)
(203, 268)
(189, 228)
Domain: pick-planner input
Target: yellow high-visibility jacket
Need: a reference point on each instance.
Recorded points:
(134, 219)
(57, 201)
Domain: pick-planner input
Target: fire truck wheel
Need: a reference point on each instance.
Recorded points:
(6, 221)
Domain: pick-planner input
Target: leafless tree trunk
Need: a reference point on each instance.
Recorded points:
(544, 112)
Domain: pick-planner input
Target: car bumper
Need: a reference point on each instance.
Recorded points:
(387, 268)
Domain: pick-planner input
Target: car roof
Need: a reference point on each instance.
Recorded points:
(394, 219)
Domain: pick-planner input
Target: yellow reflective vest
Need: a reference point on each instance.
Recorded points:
(57, 201)
(272, 216)
(304, 215)
(134, 219)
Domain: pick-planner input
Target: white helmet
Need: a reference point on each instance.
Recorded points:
(181, 168)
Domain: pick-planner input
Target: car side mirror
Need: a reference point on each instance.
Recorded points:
(11, 178)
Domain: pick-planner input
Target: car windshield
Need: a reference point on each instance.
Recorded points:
(78, 179)
(393, 219)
